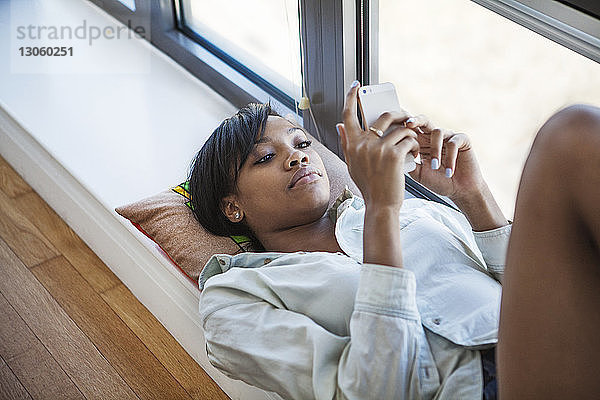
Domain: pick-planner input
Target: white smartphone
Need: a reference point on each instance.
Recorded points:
(374, 100)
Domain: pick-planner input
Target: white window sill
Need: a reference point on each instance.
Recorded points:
(123, 136)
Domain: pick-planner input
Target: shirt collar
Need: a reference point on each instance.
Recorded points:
(219, 263)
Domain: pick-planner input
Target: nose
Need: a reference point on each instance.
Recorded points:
(297, 157)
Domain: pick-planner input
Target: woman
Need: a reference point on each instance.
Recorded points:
(337, 308)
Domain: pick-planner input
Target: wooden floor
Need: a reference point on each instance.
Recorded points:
(69, 329)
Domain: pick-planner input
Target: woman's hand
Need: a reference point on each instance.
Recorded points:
(449, 168)
(376, 163)
(448, 164)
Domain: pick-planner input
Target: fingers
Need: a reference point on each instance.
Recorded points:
(420, 121)
(449, 160)
(422, 125)
(400, 134)
(386, 119)
(454, 144)
(342, 133)
(436, 144)
(351, 125)
(440, 147)
(407, 145)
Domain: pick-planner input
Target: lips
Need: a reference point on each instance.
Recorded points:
(301, 173)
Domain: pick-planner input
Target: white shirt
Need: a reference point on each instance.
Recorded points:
(323, 325)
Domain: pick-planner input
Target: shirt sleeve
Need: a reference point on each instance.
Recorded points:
(288, 353)
(493, 245)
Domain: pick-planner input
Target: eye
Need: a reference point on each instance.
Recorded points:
(265, 158)
(304, 144)
(269, 156)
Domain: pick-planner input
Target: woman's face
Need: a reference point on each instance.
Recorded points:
(283, 182)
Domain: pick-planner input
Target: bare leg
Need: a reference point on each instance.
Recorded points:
(549, 345)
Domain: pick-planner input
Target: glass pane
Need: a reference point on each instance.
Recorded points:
(473, 71)
(261, 34)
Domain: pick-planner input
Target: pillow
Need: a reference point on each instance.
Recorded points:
(167, 219)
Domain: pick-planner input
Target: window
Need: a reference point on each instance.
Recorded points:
(471, 70)
(259, 38)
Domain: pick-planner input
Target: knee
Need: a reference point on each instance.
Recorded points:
(579, 117)
(570, 132)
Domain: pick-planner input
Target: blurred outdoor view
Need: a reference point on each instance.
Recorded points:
(473, 71)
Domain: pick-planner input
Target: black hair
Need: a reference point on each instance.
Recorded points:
(215, 169)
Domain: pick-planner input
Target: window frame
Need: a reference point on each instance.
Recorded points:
(330, 64)
(554, 20)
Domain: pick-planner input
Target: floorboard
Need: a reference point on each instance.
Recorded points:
(69, 329)
(118, 344)
(76, 354)
(24, 239)
(10, 387)
(170, 353)
(10, 182)
(30, 361)
(62, 237)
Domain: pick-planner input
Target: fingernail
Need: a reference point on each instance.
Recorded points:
(410, 121)
(337, 128)
(354, 84)
(448, 172)
(435, 163)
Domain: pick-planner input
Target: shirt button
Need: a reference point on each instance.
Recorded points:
(437, 321)
(221, 261)
(267, 260)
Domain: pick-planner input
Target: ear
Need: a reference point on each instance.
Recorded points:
(231, 209)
